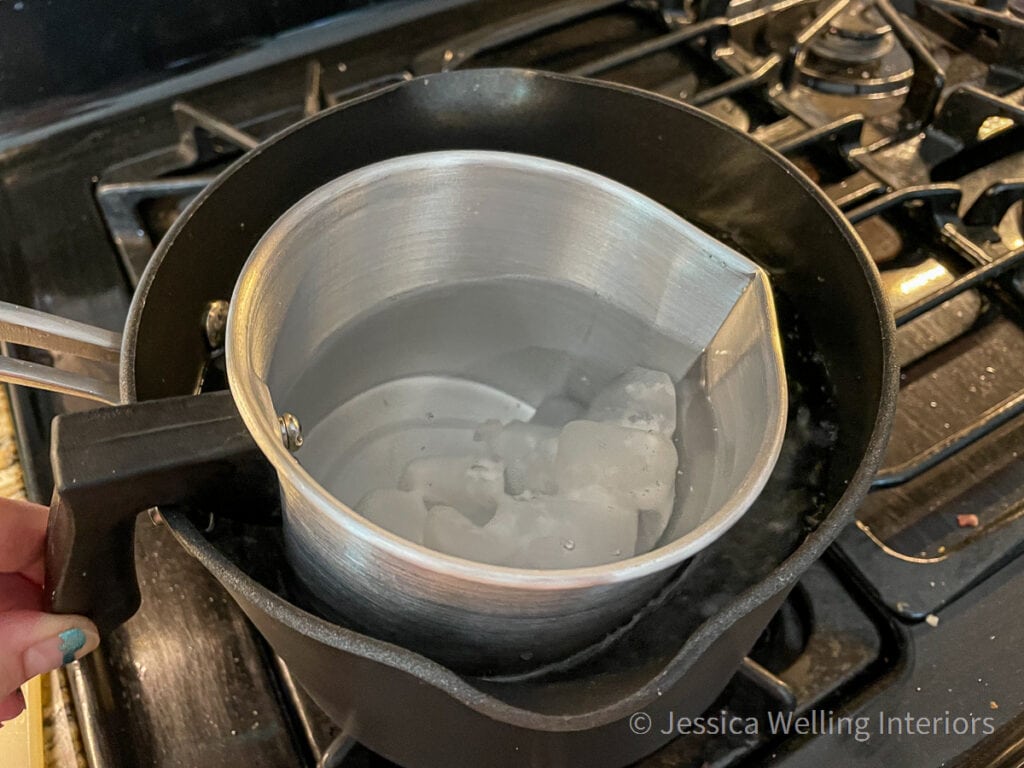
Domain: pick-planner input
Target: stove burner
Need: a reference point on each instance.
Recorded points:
(857, 36)
(857, 54)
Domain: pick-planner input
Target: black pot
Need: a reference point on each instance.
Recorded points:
(682, 649)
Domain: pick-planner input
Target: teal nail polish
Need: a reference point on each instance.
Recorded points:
(71, 642)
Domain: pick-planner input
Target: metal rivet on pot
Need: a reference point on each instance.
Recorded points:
(291, 431)
(214, 323)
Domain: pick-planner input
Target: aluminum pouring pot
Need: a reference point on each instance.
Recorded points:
(514, 278)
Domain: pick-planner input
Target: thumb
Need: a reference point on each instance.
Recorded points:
(32, 643)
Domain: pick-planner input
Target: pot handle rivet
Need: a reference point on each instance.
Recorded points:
(291, 431)
(215, 322)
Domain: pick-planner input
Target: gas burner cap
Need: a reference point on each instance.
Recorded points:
(858, 35)
(858, 54)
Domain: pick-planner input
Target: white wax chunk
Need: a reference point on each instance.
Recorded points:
(636, 467)
(528, 452)
(640, 398)
(554, 532)
(448, 530)
(401, 512)
(631, 464)
(541, 495)
(471, 484)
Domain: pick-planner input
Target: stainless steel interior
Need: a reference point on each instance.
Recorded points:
(468, 285)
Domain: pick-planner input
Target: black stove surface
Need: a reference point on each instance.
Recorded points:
(910, 116)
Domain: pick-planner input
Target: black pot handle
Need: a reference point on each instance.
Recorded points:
(109, 464)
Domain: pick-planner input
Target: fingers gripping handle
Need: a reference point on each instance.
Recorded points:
(109, 464)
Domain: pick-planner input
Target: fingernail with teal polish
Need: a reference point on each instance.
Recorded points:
(71, 642)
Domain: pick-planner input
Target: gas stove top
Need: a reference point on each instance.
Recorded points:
(910, 117)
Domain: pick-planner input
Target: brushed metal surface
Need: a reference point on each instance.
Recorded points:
(32, 328)
(582, 273)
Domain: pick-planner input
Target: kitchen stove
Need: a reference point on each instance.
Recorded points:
(910, 117)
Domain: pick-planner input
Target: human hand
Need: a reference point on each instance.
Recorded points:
(31, 642)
